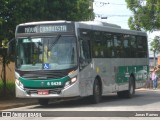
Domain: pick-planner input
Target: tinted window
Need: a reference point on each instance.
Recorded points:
(98, 46)
(116, 45)
(109, 44)
(141, 47)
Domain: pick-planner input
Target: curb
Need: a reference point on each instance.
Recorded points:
(16, 106)
(147, 89)
(15, 103)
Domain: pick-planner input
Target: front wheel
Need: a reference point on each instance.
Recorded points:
(97, 92)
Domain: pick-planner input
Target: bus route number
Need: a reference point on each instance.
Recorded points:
(54, 83)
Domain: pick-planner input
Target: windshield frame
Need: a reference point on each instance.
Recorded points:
(55, 37)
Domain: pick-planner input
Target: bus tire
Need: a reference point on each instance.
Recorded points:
(131, 90)
(43, 101)
(97, 92)
(121, 94)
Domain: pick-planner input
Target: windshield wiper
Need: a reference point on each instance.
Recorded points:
(54, 42)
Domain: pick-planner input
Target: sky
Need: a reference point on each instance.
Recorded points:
(116, 12)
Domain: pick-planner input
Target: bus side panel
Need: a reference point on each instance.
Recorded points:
(105, 70)
(139, 67)
(86, 79)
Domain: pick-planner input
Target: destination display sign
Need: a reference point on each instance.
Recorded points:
(49, 28)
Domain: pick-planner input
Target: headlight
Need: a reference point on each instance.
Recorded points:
(72, 80)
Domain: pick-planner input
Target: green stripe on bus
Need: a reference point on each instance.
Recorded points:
(124, 72)
(44, 83)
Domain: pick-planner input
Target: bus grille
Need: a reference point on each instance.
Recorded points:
(44, 75)
(51, 91)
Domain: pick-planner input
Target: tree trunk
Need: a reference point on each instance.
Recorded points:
(4, 75)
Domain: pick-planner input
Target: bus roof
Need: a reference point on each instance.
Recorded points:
(102, 26)
(94, 25)
(44, 22)
(99, 23)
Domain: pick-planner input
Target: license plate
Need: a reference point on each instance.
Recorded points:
(43, 92)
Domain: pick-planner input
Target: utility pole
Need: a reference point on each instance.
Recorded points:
(91, 8)
(154, 57)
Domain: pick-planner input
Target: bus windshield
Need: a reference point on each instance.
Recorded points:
(46, 53)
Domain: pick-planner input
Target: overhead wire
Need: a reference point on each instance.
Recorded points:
(108, 3)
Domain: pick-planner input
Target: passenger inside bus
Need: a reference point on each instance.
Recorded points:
(45, 57)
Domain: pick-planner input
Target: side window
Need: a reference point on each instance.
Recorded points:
(126, 44)
(133, 47)
(98, 46)
(115, 44)
(85, 50)
(118, 46)
(145, 43)
(108, 44)
(85, 47)
(141, 47)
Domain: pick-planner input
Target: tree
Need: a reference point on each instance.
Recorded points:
(155, 47)
(13, 12)
(146, 14)
(3, 61)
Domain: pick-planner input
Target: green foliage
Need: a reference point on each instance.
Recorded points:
(146, 14)
(10, 89)
(13, 12)
(4, 43)
(155, 47)
(155, 44)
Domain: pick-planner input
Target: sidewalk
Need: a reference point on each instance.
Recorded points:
(16, 102)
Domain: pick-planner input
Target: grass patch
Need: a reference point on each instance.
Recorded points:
(10, 89)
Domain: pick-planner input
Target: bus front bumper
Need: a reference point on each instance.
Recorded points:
(70, 91)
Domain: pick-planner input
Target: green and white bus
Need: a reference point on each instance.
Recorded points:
(66, 59)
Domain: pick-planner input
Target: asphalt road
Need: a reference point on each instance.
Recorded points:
(145, 105)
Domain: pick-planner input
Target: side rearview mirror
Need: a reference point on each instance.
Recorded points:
(11, 47)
